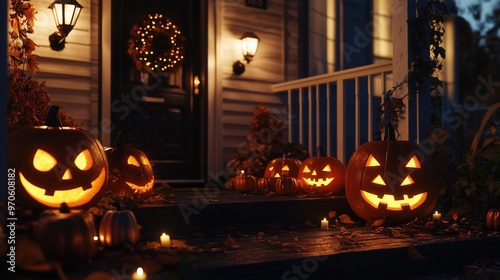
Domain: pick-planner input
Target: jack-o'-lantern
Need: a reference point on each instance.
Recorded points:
(130, 170)
(391, 180)
(56, 164)
(322, 174)
(245, 183)
(283, 166)
(66, 235)
(276, 168)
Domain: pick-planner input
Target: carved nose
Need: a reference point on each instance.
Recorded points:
(67, 175)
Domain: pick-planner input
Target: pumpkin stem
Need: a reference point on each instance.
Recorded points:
(64, 208)
(389, 134)
(53, 119)
(119, 137)
(319, 151)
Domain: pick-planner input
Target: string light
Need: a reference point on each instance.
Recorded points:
(156, 44)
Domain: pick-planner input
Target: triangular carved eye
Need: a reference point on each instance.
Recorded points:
(132, 161)
(43, 161)
(372, 161)
(306, 170)
(285, 168)
(378, 180)
(271, 168)
(413, 163)
(327, 168)
(407, 181)
(144, 160)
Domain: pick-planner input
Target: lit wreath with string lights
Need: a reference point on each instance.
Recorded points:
(156, 44)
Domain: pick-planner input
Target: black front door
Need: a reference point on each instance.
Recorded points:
(153, 89)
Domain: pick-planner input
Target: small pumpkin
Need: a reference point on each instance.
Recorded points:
(130, 171)
(57, 164)
(287, 185)
(392, 180)
(66, 235)
(245, 183)
(322, 174)
(118, 228)
(493, 219)
(266, 184)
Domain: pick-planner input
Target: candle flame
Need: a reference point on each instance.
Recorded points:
(140, 271)
(96, 238)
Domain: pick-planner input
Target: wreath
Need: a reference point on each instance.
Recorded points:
(156, 44)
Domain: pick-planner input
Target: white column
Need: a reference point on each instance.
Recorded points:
(400, 15)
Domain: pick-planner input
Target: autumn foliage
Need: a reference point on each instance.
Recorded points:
(28, 100)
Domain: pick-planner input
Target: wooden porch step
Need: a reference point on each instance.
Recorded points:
(196, 210)
(273, 237)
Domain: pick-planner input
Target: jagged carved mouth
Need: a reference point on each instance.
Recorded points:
(392, 203)
(319, 182)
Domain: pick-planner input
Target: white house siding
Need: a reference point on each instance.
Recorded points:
(71, 75)
(239, 95)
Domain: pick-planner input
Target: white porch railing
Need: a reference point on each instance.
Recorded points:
(337, 111)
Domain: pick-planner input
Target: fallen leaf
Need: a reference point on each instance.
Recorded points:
(345, 219)
(377, 223)
(231, 242)
(310, 224)
(414, 254)
(332, 214)
(179, 243)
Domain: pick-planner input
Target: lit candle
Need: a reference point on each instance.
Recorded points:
(139, 274)
(324, 224)
(436, 216)
(165, 240)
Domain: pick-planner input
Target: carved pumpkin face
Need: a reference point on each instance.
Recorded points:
(57, 164)
(283, 166)
(324, 175)
(393, 180)
(131, 172)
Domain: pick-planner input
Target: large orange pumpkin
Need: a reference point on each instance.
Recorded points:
(131, 173)
(56, 164)
(391, 180)
(322, 174)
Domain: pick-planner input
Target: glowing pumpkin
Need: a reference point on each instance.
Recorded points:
(66, 235)
(322, 174)
(278, 167)
(56, 164)
(118, 227)
(391, 180)
(130, 172)
(245, 183)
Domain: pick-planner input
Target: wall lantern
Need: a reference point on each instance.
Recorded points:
(66, 13)
(249, 45)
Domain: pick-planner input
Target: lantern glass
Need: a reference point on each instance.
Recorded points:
(249, 45)
(66, 14)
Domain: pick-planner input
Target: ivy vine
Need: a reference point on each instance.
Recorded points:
(425, 65)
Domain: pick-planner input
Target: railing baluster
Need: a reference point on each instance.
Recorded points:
(372, 72)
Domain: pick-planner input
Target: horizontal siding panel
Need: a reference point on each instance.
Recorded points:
(251, 97)
(57, 66)
(69, 83)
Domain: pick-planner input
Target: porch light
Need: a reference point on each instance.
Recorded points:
(249, 45)
(66, 13)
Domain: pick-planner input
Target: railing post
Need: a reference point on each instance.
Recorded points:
(340, 122)
(400, 15)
